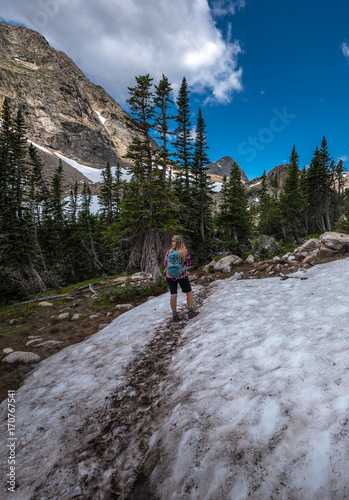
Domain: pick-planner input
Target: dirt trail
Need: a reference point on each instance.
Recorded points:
(116, 458)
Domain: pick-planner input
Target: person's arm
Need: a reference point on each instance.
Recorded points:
(188, 259)
(166, 257)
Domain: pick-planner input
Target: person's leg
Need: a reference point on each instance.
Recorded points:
(173, 297)
(173, 302)
(190, 300)
(186, 288)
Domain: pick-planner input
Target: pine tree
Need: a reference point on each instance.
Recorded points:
(162, 101)
(87, 228)
(72, 210)
(147, 210)
(233, 218)
(291, 201)
(106, 198)
(183, 143)
(338, 172)
(201, 191)
(318, 196)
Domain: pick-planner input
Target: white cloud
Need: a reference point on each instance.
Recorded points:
(226, 7)
(113, 41)
(345, 49)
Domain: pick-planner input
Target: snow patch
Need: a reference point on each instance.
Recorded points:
(101, 118)
(254, 403)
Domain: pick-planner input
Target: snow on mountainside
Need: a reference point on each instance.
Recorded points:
(64, 112)
(249, 400)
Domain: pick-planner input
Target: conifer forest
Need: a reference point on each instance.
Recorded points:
(47, 241)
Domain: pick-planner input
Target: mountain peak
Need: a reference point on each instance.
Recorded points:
(223, 166)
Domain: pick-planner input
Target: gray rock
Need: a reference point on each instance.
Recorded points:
(308, 246)
(103, 325)
(121, 279)
(332, 243)
(49, 343)
(141, 276)
(76, 317)
(63, 316)
(250, 259)
(31, 342)
(237, 276)
(265, 246)
(7, 350)
(224, 265)
(123, 307)
(21, 357)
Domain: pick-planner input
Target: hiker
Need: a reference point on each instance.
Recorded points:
(177, 260)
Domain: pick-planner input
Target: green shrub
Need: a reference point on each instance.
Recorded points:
(342, 225)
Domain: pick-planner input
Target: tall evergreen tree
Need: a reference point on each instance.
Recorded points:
(183, 143)
(291, 201)
(106, 197)
(147, 211)
(87, 228)
(233, 218)
(201, 191)
(319, 181)
(338, 179)
(162, 101)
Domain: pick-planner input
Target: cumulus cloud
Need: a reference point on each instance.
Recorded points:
(113, 41)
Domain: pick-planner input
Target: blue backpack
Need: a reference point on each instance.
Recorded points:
(174, 266)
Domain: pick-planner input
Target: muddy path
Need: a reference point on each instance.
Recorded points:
(116, 457)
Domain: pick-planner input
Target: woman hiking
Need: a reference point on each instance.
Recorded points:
(177, 260)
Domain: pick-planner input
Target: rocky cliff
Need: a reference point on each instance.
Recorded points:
(63, 110)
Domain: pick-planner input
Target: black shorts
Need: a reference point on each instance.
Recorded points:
(184, 283)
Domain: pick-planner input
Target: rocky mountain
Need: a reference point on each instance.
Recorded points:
(222, 168)
(64, 112)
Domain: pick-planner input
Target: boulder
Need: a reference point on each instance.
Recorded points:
(308, 259)
(121, 279)
(223, 265)
(7, 350)
(63, 316)
(141, 276)
(17, 357)
(76, 317)
(123, 307)
(265, 246)
(250, 259)
(308, 246)
(332, 243)
(45, 303)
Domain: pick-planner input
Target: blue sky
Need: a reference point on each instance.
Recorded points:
(293, 64)
(266, 74)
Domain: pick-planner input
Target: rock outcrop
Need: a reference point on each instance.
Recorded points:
(63, 110)
(332, 243)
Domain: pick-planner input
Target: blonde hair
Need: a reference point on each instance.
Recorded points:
(180, 247)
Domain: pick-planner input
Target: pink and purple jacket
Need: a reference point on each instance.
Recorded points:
(187, 263)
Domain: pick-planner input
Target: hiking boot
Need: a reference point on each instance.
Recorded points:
(176, 317)
(192, 313)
